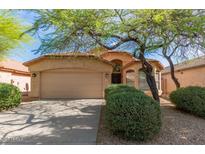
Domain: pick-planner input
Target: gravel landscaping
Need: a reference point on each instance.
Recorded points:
(178, 128)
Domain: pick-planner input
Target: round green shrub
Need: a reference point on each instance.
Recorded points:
(117, 88)
(10, 96)
(133, 115)
(190, 99)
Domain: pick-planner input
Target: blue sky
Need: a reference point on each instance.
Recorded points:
(24, 53)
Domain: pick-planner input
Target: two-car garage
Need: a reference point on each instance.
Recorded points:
(60, 84)
(69, 76)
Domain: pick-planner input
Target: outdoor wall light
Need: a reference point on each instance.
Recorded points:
(34, 75)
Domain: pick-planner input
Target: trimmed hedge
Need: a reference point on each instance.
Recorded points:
(116, 88)
(131, 114)
(10, 96)
(190, 99)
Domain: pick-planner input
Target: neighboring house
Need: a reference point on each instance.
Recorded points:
(189, 73)
(78, 75)
(15, 73)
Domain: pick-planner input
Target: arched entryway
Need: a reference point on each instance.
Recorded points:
(130, 77)
(117, 71)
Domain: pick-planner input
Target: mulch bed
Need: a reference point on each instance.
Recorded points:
(178, 128)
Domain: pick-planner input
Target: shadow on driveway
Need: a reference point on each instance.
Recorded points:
(51, 122)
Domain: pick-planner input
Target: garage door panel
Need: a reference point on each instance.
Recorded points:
(71, 85)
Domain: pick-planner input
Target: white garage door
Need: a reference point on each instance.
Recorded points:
(71, 85)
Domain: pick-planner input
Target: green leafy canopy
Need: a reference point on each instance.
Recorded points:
(10, 34)
(88, 29)
(70, 30)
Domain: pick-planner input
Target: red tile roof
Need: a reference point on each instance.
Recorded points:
(88, 54)
(161, 67)
(66, 54)
(196, 62)
(9, 64)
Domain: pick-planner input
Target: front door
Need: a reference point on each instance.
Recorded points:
(116, 78)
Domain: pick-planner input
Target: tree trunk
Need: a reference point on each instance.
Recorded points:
(177, 84)
(147, 68)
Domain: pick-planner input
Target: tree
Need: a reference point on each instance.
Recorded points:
(83, 30)
(10, 34)
(182, 31)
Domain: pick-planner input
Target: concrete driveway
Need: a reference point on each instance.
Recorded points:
(51, 122)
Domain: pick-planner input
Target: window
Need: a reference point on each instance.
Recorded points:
(12, 81)
(157, 79)
(130, 77)
(142, 81)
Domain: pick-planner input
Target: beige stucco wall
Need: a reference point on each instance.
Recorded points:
(73, 64)
(188, 77)
(126, 59)
(136, 67)
(84, 64)
(18, 80)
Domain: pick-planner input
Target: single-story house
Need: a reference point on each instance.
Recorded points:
(85, 75)
(189, 73)
(14, 72)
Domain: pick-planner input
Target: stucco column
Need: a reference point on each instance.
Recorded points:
(35, 85)
(160, 81)
(106, 79)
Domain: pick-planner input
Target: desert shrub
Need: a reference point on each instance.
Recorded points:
(132, 115)
(10, 96)
(190, 99)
